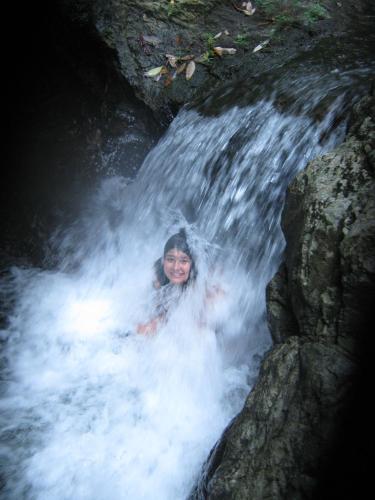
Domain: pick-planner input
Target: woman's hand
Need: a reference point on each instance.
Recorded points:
(150, 327)
(214, 293)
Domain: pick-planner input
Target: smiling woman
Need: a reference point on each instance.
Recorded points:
(177, 269)
(177, 266)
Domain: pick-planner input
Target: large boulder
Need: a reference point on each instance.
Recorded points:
(324, 288)
(303, 430)
(139, 34)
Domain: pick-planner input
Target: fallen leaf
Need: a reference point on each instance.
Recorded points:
(248, 9)
(187, 58)
(226, 32)
(220, 51)
(180, 68)
(151, 40)
(172, 60)
(261, 45)
(161, 74)
(190, 68)
(169, 79)
(218, 35)
(156, 71)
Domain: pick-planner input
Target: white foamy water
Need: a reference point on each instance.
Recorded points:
(97, 411)
(92, 410)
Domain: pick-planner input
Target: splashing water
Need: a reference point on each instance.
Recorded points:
(90, 409)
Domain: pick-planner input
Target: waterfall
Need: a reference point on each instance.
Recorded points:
(92, 410)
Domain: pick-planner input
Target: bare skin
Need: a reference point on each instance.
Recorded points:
(177, 267)
(150, 327)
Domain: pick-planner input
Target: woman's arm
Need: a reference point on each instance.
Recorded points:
(151, 326)
(213, 293)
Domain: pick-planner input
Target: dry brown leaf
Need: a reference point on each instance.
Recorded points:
(220, 51)
(180, 68)
(187, 58)
(169, 79)
(248, 9)
(157, 78)
(261, 45)
(190, 68)
(172, 60)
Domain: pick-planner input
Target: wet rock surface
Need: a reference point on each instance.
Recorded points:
(304, 428)
(329, 224)
(140, 34)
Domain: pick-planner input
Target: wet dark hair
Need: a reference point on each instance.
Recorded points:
(179, 242)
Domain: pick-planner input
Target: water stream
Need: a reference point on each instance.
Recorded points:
(90, 409)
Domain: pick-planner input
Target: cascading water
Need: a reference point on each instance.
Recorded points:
(90, 409)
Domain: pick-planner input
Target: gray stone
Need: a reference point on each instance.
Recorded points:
(329, 227)
(274, 448)
(292, 440)
(188, 27)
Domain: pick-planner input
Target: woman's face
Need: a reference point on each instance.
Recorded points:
(177, 266)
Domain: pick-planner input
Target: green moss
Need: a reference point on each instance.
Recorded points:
(207, 57)
(315, 12)
(242, 40)
(209, 40)
(285, 19)
(289, 12)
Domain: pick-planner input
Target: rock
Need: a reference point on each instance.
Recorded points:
(130, 29)
(304, 427)
(329, 224)
(272, 448)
